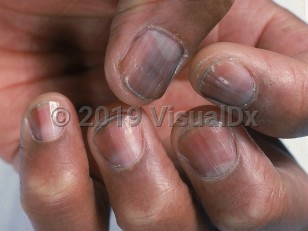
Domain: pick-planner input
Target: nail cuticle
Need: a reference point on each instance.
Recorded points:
(206, 178)
(104, 122)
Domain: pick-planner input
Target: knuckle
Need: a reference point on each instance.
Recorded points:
(139, 220)
(254, 213)
(55, 193)
(147, 214)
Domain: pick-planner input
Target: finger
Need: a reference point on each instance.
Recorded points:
(266, 85)
(56, 190)
(150, 41)
(237, 184)
(266, 25)
(281, 28)
(144, 188)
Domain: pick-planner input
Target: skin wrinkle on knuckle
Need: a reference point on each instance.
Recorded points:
(270, 196)
(149, 213)
(58, 192)
(253, 213)
(141, 220)
(253, 216)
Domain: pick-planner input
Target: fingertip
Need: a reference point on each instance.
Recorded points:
(142, 183)
(218, 74)
(146, 50)
(46, 143)
(257, 82)
(53, 167)
(233, 178)
(143, 73)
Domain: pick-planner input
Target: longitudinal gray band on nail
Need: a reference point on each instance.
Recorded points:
(151, 63)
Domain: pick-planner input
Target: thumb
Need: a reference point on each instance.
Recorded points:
(269, 85)
(150, 41)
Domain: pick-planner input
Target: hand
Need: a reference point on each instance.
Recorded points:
(238, 184)
(262, 64)
(275, 196)
(60, 46)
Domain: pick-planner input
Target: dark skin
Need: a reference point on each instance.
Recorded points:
(54, 52)
(48, 49)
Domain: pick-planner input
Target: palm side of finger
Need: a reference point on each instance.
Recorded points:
(56, 50)
(62, 49)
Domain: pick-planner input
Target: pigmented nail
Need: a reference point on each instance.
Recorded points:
(228, 82)
(209, 150)
(120, 143)
(151, 63)
(47, 120)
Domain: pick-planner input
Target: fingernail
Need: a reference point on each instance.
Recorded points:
(47, 120)
(151, 63)
(120, 143)
(228, 82)
(210, 151)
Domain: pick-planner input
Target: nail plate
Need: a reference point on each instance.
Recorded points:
(42, 121)
(210, 151)
(151, 63)
(120, 144)
(228, 82)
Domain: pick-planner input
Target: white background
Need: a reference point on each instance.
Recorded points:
(13, 219)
